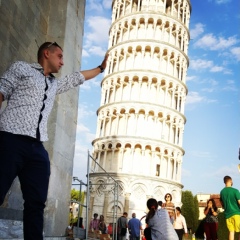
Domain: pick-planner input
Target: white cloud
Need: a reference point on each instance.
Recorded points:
(209, 90)
(95, 5)
(85, 53)
(197, 30)
(97, 50)
(82, 128)
(216, 69)
(96, 36)
(236, 53)
(107, 4)
(201, 64)
(200, 154)
(222, 1)
(209, 41)
(194, 97)
(95, 82)
(230, 86)
(80, 160)
(213, 82)
(190, 78)
(186, 173)
(99, 5)
(212, 85)
(97, 33)
(82, 147)
(230, 170)
(84, 111)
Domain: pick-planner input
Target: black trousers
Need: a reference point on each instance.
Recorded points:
(180, 233)
(26, 158)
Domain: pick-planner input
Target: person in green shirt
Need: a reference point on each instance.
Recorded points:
(230, 199)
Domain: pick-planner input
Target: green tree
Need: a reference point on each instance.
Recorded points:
(77, 197)
(190, 210)
(222, 228)
(196, 213)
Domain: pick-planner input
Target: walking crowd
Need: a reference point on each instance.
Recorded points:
(164, 221)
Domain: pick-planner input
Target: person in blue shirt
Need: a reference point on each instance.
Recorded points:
(134, 228)
(158, 223)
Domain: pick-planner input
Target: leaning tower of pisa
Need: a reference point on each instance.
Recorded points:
(141, 116)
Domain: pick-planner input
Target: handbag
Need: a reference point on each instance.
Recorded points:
(147, 233)
(123, 231)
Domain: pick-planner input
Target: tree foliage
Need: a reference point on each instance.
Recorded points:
(190, 210)
(78, 197)
(75, 195)
(196, 212)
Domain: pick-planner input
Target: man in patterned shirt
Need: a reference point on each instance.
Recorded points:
(30, 90)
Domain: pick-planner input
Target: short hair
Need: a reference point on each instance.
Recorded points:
(125, 213)
(133, 215)
(46, 45)
(160, 203)
(95, 215)
(226, 179)
(179, 209)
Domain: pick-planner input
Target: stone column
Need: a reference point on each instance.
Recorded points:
(64, 25)
(105, 206)
(126, 202)
(90, 210)
(147, 197)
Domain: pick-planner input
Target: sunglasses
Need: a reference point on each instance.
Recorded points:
(53, 44)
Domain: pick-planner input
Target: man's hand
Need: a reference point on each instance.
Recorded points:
(104, 62)
(89, 74)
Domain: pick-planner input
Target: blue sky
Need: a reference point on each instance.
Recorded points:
(212, 132)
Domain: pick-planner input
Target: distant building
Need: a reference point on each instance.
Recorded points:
(202, 203)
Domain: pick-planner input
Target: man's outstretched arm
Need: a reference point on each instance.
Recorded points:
(89, 74)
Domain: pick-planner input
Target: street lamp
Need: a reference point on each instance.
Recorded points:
(75, 179)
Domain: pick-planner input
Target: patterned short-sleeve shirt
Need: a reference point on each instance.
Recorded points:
(30, 96)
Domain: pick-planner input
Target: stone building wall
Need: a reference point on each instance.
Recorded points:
(24, 25)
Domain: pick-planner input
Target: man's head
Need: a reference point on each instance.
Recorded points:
(125, 214)
(228, 181)
(160, 203)
(50, 56)
(133, 215)
(178, 209)
(95, 215)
